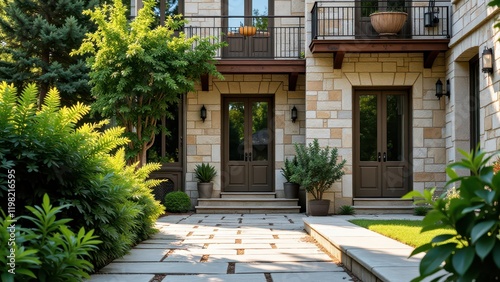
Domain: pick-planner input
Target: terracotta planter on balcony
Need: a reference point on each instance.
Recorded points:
(388, 23)
(248, 30)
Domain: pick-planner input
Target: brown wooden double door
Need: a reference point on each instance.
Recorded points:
(381, 144)
(248, 144)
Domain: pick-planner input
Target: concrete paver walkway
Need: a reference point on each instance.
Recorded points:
(226, 247)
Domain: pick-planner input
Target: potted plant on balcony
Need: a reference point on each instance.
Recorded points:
(317, 169)
(288, 170)
(389, 22)
(205, 173)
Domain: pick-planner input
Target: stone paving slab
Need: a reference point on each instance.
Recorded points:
(269, 258)
(287, 267)
(337, 276)
(144, 255)
(121, 278)
(216, 278)
(239, 246)
(218, 248)
(165, 267)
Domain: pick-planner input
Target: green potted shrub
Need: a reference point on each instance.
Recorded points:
(205, 173)
(291, 188)
(317, 169)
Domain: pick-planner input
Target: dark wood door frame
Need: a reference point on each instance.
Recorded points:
(250, 171)
(382, 171)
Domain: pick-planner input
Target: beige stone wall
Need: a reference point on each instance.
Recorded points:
(329, 110)
(474, 30)
(203, 139)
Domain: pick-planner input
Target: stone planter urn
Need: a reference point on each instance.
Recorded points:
(319, 207)
(291, 190)
(388, 23)
(205, 190)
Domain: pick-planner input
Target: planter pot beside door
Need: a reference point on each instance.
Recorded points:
(205, 190)
(291, 190)
(319, 207)
(388, 23)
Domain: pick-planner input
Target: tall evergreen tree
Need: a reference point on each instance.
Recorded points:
(36, 38)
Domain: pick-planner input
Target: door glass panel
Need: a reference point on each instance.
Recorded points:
(395, 128)
(260, 8)
(236, 8)
(236, 131)
(368, 127)
(260, 132)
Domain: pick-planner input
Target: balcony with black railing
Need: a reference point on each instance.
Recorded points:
(266, 44)
(268, 37)
(341, 27)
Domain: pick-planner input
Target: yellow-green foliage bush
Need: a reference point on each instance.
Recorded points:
(80, 166)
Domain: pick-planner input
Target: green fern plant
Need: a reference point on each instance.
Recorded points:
(82, 167)
(347, 210)
(49, 250)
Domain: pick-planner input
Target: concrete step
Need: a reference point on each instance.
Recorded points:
(243, 202)
(239, 195)
(247, 209)
(384, 210)
(384, 202)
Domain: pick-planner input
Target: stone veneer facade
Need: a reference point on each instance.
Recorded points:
(203, 139)
(324, 98)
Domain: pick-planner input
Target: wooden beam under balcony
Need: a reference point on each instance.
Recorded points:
(429, 47)
(291, 67)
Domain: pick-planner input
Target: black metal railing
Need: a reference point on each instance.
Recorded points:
(275, 37)
(351, 20)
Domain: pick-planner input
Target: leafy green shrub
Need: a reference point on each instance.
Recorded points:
(81, 167)
(474, 255)
(317, 168)
(288, 169)
(177, 201)
(421, 210)
(347, 210)
(48, 251)
(205, 173)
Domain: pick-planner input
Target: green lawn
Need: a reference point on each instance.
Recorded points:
(405, 231)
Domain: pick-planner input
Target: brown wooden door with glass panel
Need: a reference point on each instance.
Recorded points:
(381, 140)
(248, 13)
(247, 144)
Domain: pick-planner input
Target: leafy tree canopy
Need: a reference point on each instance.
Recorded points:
(37, 37)
(138, 68)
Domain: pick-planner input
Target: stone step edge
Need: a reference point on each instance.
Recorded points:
(247, 207)
(248, 199)
(384, 207)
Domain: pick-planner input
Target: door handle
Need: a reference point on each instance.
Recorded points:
(245, 157)
(250, 157)
(378, 158)
(385, 157)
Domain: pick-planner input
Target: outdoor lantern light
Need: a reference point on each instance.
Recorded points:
(439, 89)
(294, 113)
(203, 113)
(487, 60)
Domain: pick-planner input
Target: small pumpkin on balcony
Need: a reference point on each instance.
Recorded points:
(248, 30)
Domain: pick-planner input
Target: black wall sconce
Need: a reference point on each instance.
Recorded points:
(439, 89)
(487, 60)
(430, 17)
(294, 114)
(203, 113)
